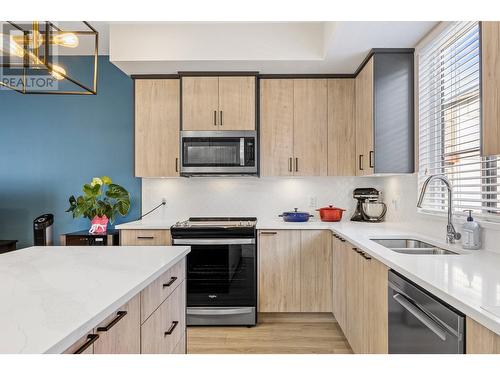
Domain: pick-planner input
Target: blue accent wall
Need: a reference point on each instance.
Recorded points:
(50, 145)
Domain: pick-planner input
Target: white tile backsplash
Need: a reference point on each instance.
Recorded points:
(246, 196)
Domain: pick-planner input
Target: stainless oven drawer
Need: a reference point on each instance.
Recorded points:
(201, 316)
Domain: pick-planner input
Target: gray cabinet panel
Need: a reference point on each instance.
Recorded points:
(394, 113)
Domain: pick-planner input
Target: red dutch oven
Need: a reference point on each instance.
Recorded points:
(330, 213)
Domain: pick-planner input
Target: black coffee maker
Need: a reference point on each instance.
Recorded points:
(43, 230)
(369, 208)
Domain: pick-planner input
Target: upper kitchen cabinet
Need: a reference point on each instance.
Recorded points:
(341, 127)
(157, 121)
(490, 66)
(385, 114)
(218, 103)
(293, 127)
(310, 127)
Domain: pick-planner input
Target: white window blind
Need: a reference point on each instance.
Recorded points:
(450, 124)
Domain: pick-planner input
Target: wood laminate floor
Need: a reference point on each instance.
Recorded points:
(289, 333)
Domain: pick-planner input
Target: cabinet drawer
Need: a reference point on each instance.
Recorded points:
(158, 291)
(120, 332)
(85, 345)
(145, 237)
(163, 330)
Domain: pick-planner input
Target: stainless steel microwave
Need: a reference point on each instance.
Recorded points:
(218, 153)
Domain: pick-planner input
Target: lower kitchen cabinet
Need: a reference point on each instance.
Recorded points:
(315, 271)
(339, 281)
(165, 328)
(279, 271)
(360, 298)
(145, 237)
(159, 329)
(295, 271)
(480, 340)
(120, 332)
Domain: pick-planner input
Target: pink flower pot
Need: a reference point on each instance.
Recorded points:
(99, 225)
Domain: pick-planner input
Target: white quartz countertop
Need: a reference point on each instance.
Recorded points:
(51, 296)
(470, 282)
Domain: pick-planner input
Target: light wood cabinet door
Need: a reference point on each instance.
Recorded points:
(315, 271)
(200, 103)
(375, 312)
(159, 290)
(364, 120)
(157, 122)
(341, 127)
(237, 103)
(279, 271)
(479, 339)
(145, 237)
(339, 290)
(276, 127)
(163, 330)
(490, 99)
(354, 299)
(120, 333)
(310, 127)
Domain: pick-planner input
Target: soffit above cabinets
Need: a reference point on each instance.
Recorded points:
(267, 47)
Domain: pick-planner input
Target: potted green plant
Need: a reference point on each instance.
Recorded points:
(101, 202)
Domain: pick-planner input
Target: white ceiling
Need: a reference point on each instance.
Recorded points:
(267, 47)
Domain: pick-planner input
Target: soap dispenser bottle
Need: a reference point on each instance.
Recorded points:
(471, 233)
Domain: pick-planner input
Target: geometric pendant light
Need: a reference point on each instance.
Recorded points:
(43, 57)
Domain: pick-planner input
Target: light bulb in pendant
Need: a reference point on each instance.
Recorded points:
(65, 39)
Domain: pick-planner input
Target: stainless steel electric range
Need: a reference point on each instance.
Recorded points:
(221, 269)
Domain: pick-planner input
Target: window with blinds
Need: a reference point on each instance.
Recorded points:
(450, 124)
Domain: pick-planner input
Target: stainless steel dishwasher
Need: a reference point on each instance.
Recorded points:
(420, 323)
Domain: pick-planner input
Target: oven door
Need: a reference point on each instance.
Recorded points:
(221, 272)
(218, 152)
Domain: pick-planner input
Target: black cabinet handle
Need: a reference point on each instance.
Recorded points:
(172, 327)
(296, 164)
(269, 233)
(361, 162)
(366, 256)
(221, 118)
(145, 237)
(372, 164)
(341, 239)
(215, 118)
(91, 338)
(177, 164)
(170, 282)
(290, 168)
(119, 316)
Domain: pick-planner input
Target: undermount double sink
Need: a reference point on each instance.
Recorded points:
(412, 246)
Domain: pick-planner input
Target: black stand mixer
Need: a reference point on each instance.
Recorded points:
(369, 208)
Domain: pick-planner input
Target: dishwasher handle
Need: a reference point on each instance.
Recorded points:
(420, 315)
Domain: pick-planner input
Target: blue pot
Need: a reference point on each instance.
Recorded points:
(296, 216)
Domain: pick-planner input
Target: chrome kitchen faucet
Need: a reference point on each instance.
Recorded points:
(451, 233)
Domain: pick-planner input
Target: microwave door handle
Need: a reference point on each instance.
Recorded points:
(242, 151)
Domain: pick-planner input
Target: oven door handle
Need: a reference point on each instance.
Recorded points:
(237, 311)
(420, 315)
(213, 241)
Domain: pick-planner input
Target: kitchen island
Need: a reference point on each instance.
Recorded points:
(52, 297)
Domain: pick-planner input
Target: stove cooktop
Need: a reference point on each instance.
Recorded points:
(214, 227)
(217, 222)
